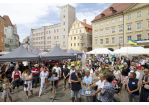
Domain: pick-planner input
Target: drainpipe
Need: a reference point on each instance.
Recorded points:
(123, 29)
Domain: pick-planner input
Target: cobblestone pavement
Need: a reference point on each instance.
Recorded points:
(64, 96)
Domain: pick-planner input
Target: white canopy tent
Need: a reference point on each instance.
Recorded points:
(100, 51)
(131, 50)
(3, 53)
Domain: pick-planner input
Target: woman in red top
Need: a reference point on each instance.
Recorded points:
(16, 76)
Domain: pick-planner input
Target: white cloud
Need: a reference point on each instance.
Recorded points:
(101, 3)
(89, 16)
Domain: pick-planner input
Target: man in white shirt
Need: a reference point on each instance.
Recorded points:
(142, 62)
(132, 66)
(100, 85)
(58, 70)
(137, 73)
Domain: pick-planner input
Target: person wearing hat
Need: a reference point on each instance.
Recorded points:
(66, 76)
(35, 75)
(58, 70)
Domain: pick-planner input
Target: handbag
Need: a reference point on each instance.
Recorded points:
(146, 86)
(46, 80)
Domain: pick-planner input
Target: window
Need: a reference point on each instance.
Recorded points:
(128, 38)
(129, 16)
(96, 25)
(76, 31)
(138, 25)
(0, 22)
(57, 30)
(101, 23)
(74, 44)
(50, 37)
(120, 29)
(148, 35)
(148, 11)
(63, 36)
(5, 36)
(120, 39)
(128, 27)
(80, 31)
(113, 20)
(64, 29)
(101, 32)
(107, 40)
(78, 37)
(64, 16)
(96, 41)
(72, 32)
(71, 38)
(49, 32)
(113, 40)
(1, 39)
(74, 26)
(148, 23)
(78, 44)
(63, 43)
(101, 41)
(71, 44)
(107, 31)
(82, 44)
(5, 30)
(120, 19)
(78, 25)
(113, 30)
(138, 14)
(57, 37)
(96, 33)
(138, 37)
(64, 23)
(74, 38)
(54, 37)
(107, 22)
(50, 42)
(1, 30)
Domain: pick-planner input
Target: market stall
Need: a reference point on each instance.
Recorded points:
(36, 51)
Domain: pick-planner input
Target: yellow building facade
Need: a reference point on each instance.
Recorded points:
(80, 36)
(114, 30)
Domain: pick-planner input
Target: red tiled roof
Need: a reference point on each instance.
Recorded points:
(7, 20)
(2, 18)
(87, 27)
(119, 7)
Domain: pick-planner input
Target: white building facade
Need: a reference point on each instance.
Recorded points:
(46, 37)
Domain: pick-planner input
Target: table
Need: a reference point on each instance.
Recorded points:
(53, 79)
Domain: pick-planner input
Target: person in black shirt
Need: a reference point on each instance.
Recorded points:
(66, 77)
(54, 74)
(76, 79)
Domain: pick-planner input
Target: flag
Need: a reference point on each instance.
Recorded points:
(110, 56)
(130, 41)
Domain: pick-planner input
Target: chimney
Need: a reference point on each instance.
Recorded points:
(84, 20)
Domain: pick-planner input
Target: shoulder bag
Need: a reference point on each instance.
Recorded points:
(146, 86)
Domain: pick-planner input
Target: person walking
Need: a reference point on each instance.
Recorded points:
(58, 70)
(71, 71)
(16, 76)
(43, 76)
(54, 74)
(133, 87)
(124, 77)
(28, 82)
(88, 80)
(144, 91)
(35, 75)
(76, 79)
(66, 76)
(100, 85)
(108, 89)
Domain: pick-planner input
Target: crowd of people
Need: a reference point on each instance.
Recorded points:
(107, 77)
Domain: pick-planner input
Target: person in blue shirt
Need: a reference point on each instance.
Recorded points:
(88, 80)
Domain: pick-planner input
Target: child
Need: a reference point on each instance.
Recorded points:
(54, 74)
(6, 90)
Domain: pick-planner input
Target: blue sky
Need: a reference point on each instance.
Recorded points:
(29, 15)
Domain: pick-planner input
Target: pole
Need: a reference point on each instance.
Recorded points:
(127, 50)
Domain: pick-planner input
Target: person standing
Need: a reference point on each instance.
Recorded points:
(100, 85)
(54, 74)
(66, 76)
(91, 70)
(16, 76)
(103, 70)
(43, 76)
(145, 81)
(42, 67)
(71, 71)
(35, 75)
(23, 76)
(124, 77)
(76, 79)
(133, 87)
(136, 71)
(108, 89)
(58, 70)
(88, 80)
(142, 62)
(28, 82)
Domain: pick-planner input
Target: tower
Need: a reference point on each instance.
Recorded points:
(67, 16)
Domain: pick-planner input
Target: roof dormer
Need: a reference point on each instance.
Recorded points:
(111, 8)
(102, 15)
(114, 11)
